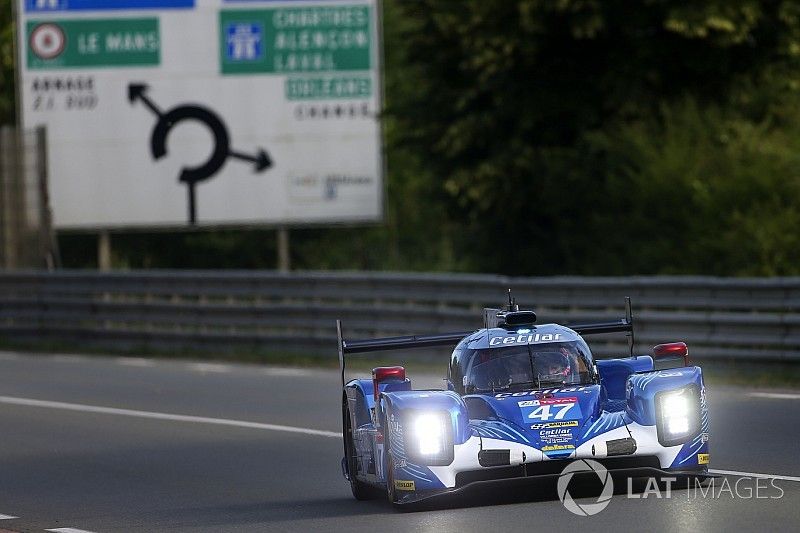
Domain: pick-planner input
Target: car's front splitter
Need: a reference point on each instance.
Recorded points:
(511, 483)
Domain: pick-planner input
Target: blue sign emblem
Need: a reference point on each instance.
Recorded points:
(245, 41)
(43, 6)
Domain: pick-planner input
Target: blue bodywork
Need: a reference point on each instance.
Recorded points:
(540, 431)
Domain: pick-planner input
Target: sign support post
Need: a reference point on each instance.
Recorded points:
(284, 257)
(104, 251)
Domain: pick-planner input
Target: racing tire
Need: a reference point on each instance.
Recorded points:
(361, 491)
(391, 491)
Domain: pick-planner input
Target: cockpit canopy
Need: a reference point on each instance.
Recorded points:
(521, 367)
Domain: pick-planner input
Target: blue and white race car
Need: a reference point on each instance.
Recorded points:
(523, 401)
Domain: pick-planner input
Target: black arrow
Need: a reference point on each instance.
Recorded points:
(158, 140)
(262, 159)
(222, 149)
(137, 90)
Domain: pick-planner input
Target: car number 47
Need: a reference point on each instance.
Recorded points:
(543, 412)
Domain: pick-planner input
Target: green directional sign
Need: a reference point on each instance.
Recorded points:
(322, 88)
(61, 44)
(295, 40)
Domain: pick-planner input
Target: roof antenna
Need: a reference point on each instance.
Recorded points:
(512, 302)
(629, 320)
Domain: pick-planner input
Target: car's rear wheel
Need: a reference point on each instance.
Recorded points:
(361, 491)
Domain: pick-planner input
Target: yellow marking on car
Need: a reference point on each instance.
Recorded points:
(404, 485)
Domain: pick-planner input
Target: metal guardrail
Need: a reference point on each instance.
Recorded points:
(756, 319)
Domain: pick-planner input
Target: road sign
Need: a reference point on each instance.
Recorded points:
(162, 113)
(64, 43)
(301, 40)
(47, 6)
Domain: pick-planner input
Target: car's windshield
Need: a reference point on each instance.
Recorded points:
(528, 366)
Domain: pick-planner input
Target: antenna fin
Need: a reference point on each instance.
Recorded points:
(629, 320)
(512, 302)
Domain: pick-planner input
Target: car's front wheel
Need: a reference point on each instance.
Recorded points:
(361, 491)
(391, 490)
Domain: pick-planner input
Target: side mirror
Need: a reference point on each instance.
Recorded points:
(672, 351)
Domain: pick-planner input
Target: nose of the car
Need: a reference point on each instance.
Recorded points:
(552, 420)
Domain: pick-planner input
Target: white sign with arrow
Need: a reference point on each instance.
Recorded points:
(207, 112)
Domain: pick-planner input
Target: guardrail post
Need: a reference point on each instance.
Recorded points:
(9, 172)
(284, 259)
(104, 251)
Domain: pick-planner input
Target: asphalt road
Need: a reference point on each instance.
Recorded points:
(119, 444)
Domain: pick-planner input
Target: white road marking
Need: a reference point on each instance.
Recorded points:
(7, 517)
(287, 372)
(775, 395)
(68, 530)
(250, 425)
(165, 416)
(135, 361)
(210, 367)
(8, 356)
(65, 358)
(753, 474)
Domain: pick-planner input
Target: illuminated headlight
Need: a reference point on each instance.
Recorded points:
(429, 438)
(430, 434)
(678, 415)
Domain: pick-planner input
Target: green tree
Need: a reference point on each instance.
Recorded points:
(704, 190)
(511, 98)
(7, 90)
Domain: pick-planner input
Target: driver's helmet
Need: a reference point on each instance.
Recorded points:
(517, 369)
(555, 364)
(506, 369)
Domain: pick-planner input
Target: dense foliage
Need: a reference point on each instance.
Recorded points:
(564, 136)
(609, 137)
(7, 98)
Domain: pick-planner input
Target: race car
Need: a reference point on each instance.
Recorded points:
(523, 401)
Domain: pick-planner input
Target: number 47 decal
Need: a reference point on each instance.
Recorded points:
(543, 412)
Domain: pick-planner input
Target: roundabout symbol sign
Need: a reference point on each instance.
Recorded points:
(166, 121)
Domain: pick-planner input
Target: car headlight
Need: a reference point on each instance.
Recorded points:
(429, 438)
(677, 415)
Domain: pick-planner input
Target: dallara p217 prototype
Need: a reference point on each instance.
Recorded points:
(522, 401)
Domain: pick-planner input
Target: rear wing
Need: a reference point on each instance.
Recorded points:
(347, 347)
(392, 343)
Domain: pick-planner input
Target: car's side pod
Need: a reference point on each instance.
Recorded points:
(646, 392)
(406, 406)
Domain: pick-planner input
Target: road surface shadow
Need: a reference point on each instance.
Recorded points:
(537, 490)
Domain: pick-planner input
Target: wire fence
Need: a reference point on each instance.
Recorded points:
(751, 319)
